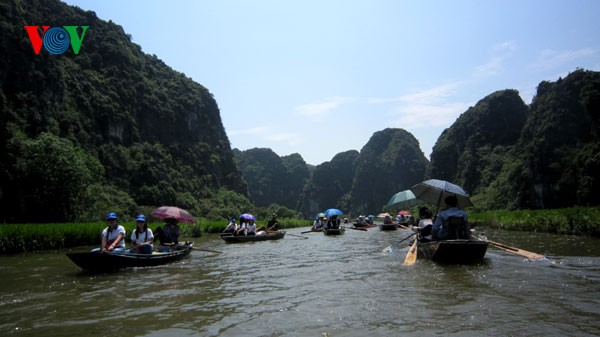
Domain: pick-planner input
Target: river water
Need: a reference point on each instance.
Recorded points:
(318, 286)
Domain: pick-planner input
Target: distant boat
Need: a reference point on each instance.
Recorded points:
(334, 231)
(252, 238)
(388, 227)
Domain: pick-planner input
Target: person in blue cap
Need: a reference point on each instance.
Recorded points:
(113, 236)
(232, 227)
(142, 237)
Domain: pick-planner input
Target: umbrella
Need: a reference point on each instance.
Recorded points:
(403, 199)
(166, 212)
(371, 216)
(333, 211)
(248, 216)
(404, 213)
(321, 215)
(434, 191)
(383, 215)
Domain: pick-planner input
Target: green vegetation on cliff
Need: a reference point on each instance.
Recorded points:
(510, 156)
(108, 128)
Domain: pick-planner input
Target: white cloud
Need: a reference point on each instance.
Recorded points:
(549, 58)
(428, 115)
(425, 108)
(491, 68)
(251, 131)
(429, 95)
(503, 47)
(500, 53)
(289, 138)
(321, 108)
(423, 96)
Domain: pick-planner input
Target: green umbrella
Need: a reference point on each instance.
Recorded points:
(403, 199)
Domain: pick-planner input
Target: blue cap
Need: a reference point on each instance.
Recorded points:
(141, 218)
(111, 216)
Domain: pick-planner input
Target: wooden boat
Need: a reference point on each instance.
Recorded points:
(453, 251)
(252, 238)
(334, 231)
(97, 262)
(388, 227)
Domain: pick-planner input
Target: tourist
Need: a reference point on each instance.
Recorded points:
(441, 227)
(113, 236)
(232, 227)
(170, 233)
(142, 237)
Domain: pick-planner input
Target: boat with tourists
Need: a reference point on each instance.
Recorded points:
(98, 262)
(334, 231)
(388, 226)
(276, 235)
(459, 251)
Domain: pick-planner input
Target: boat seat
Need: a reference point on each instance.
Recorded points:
(458, 228)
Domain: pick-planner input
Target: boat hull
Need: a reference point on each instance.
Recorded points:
(97, 262)
(253, 238)
(453, 251)
(388, 227)
(334, 231)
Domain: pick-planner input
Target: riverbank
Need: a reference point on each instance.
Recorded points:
(17, 238)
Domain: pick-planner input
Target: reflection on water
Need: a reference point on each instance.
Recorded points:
(341, 286)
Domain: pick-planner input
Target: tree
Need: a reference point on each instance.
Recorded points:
(55, 178)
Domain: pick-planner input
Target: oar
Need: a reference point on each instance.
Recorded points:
(518, 251)
(358, 229)
(207, 250)
(170, 244)
(300, 236)
(318, 230)
(411, 255)
(389, 248)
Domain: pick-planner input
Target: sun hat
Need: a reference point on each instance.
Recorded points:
(111, 216)
(140, 218)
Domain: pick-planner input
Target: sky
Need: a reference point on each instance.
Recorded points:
(319, 77)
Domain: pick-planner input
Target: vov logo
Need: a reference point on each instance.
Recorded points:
(56, 40)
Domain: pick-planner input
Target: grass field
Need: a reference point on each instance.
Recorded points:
(576, 220)
(15, 238)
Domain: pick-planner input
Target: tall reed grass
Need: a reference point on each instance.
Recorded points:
(576, 220)
(16, 238)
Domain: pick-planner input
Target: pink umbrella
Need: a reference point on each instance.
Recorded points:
(404, 213)
(166, 212)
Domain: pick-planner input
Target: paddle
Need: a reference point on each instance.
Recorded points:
(411, 255)
(517, 251)
(207, 250)
(170, 244)
(300, 236)
(318, 230)
(358, 229)
(389, 248)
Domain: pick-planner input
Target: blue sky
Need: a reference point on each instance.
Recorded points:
(320, 77)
